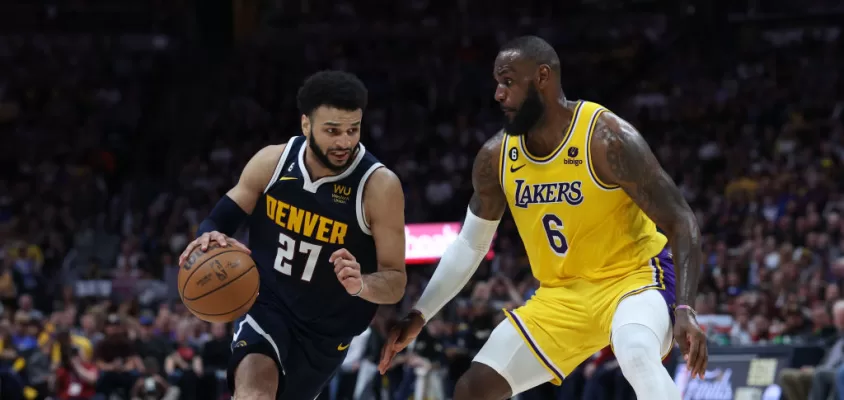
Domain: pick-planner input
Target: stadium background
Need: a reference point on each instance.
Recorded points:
(123, 121)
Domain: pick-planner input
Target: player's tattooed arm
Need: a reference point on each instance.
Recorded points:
(384, 206)
(488, 201)
(621, 156)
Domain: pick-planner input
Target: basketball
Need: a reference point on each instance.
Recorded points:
(219, 284)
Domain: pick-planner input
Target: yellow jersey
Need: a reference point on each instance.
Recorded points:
(573, 225)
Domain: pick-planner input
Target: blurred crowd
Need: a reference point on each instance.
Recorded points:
(116, 146)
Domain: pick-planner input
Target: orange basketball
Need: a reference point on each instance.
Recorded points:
(220, 284)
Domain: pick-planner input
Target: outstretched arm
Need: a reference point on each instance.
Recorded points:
(622, 157)
(463, 256)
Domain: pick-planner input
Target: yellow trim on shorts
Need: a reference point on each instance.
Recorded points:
(534, 348)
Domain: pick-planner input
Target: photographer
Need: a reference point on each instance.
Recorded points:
(151, 386)
(76, 376)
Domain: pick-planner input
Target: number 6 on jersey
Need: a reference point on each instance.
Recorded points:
(553, 231)
(286, 252)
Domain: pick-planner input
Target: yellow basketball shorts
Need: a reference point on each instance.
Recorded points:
(564, 326)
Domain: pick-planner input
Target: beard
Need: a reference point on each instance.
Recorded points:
(528, 115)
(322, 155)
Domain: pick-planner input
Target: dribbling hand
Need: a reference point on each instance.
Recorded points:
(347, 270)
(206, 239)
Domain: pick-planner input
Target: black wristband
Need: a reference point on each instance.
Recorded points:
(225, 218)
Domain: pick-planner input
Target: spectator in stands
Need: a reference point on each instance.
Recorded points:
(76, 375)
(117, 360)
(88, 328)
(26, 308)
(422, 376)
(8, 289)
(368, 384)
(150, 345)
(184, 365)
(11, 383)
(33, 350)
(475, 322)
(817, 383)
(215, 359)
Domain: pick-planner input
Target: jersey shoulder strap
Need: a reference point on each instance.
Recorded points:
(371, 164)
(292, 147)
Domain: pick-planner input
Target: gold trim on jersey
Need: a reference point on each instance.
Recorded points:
(534, 348)
(502, 161)
(601, 184)
(566, 137)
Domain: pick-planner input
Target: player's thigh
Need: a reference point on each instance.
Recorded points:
(256, 377)
(649, 309)
(504, 367)
(309, 370)
(259, 347)
(311, 363)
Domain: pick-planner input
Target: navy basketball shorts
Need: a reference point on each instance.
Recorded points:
(305, 364)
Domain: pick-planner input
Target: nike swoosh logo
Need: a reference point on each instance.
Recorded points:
(512, 169)
(342, 347)
(288, 178)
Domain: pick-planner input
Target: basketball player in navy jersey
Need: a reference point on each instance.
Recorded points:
(326, 229)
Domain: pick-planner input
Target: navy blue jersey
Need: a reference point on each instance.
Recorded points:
(296, 225)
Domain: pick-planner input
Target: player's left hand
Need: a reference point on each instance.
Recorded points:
(347, 270)
(692, 341)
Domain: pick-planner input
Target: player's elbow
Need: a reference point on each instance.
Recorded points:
(684, 222)
(399, 285)
(386, 286)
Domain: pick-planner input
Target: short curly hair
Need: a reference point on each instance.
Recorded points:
(336, 89)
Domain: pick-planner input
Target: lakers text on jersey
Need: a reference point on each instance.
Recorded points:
(588, 243)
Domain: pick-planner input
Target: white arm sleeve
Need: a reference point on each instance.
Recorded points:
(458, 264)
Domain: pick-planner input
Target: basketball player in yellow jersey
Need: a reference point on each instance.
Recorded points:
(586, 194)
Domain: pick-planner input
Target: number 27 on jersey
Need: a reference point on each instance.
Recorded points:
(286, 252)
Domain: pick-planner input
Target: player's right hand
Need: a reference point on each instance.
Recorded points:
(400, 337)
(206, 239)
